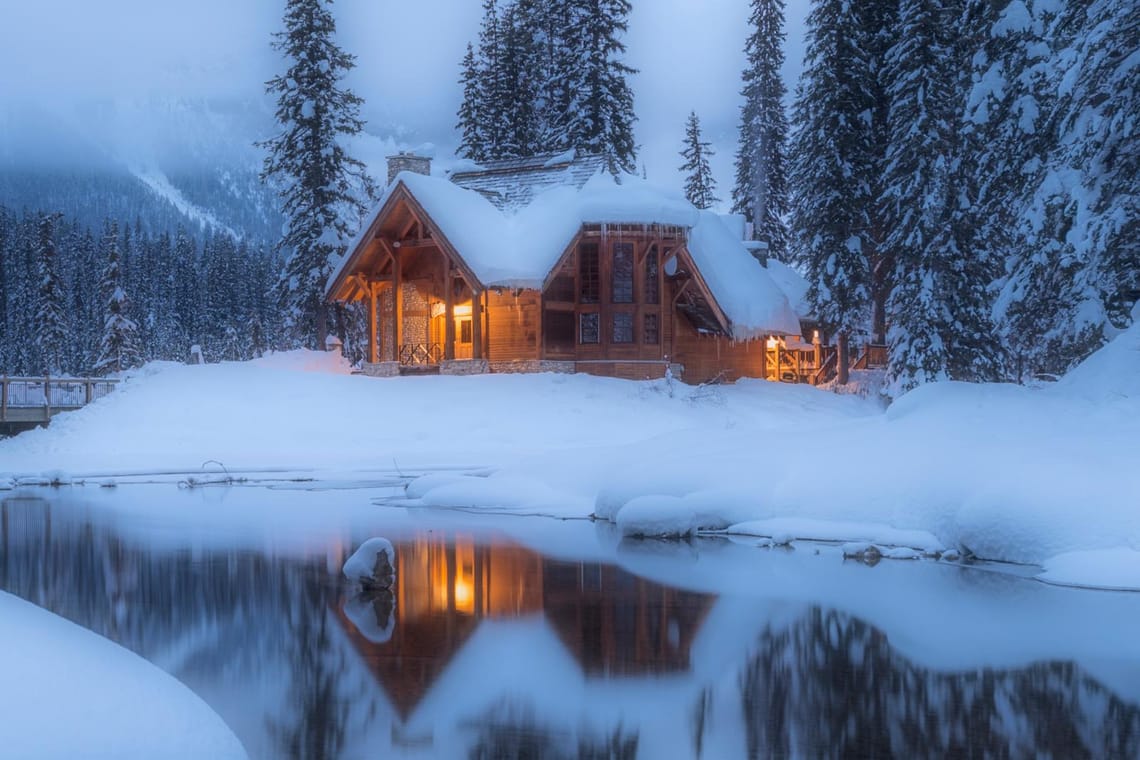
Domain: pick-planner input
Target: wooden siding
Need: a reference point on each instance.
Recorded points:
(705, 357)
(513, 324)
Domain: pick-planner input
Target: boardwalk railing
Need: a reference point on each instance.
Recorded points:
(36, 399)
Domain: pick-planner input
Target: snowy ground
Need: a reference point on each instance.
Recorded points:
(1043, 476)
(70, 693)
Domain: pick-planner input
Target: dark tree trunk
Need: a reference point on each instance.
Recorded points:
(842, 360)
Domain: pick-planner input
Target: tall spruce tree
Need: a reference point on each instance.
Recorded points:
(601, 115)
(833, 166)
(761, 190)
(922, 75)
(51, 313)
(119, 346)
(323, 189)
(472, 134)
(700, 186)
(1073, 274)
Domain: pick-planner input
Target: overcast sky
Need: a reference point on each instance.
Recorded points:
(60, 52)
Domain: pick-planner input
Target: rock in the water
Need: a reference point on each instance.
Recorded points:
(373, 565)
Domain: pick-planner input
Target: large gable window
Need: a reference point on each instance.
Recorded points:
(589, 280)
(589, 325)
(623, 273)
(623, 327)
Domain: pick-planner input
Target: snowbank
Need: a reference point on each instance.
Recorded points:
(69, 693)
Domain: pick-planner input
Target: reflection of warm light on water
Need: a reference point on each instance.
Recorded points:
(464, 596)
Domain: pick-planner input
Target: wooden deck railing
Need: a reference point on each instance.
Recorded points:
(420, 354)
(36, 399)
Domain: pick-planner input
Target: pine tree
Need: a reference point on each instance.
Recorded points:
(472, 140)
(833, 163)
(919, 192)
(761, 191)
(493, 98)
(118, 348)
(6, 224)
(601, 115)
(323, 190)
(51, 319)
(700, 186)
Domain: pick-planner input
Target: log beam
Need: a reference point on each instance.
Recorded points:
(373, 333)
(448, 311)
(476, 324)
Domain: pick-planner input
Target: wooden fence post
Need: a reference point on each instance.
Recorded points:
(47, 398)
(3, 398)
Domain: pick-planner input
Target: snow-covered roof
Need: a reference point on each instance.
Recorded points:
(794, 285)
(517, 247)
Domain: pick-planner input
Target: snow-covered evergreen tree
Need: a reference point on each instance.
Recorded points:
(833, 163)
(761, 191)
(700, 186)
(472, 136)
(922, 83)
(323, 189)
(601, 115)
(118, 347)
(51, 312)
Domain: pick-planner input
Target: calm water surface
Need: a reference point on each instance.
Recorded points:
(538, 639)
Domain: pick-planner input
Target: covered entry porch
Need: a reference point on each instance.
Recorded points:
(425, 307)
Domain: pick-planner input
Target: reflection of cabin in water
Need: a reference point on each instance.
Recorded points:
(548, 264)
(611, 622)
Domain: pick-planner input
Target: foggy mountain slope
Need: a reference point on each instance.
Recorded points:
(166, 162)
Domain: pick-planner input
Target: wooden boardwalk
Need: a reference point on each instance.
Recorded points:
(27, 401)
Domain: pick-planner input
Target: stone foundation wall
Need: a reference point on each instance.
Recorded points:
(520, 366)
(381, 369)
(463, 367)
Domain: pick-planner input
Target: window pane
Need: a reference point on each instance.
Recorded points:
(588, 278)
(650, 334)
(623, 273)
(589, 328)
(623, 328)
(652, 286)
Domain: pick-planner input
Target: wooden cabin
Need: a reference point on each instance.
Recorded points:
(548, 264)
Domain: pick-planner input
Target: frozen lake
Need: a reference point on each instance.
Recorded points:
(509, 637)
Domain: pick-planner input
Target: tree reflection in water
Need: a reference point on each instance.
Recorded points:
(266, 640)
(831, 686)
(315, 723)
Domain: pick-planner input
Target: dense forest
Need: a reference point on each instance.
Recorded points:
(77, 301)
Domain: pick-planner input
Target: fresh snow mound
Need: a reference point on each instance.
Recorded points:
(1118, 567)
(67, 692)
(1111, 372)
(360, 566)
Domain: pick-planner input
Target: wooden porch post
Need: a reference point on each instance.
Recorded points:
(373, 346)
(448, 313)
(476, 324)
(397, 306)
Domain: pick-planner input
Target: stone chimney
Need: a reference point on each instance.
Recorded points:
(405, 161)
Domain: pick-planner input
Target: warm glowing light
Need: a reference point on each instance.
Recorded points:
(463, 310)
(815, 338)
(773, 342)
(464, 595)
